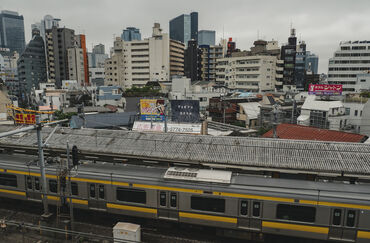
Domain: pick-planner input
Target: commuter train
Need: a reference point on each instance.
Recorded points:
(216, 198)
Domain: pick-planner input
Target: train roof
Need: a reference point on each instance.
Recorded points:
(155, 175)
(338, 159)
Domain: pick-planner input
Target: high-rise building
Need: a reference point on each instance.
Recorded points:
(209, 56)
(31, 66)
(206, 37)
(134, 63)
(288, 54)
(45, 24)
(177, 50)
(300, 66)
(184, 27)
(312, 62)
(193, 61)
(12, 31)
(81, 42)
(59, 40)
(350, 60)
(76, 65)
(130, 34)
(99, 49)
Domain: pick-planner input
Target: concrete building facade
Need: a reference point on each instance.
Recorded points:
(134, 63)
(59, 40)
(177, 49)
(208, 61)
(248, 73)
(350, 60)
(76, 67)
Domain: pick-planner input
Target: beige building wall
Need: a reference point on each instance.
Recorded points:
(177, 50)
(248, 73)
(76, 65)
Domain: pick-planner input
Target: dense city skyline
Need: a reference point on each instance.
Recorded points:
(316, 22)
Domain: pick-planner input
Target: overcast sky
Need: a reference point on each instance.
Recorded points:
(322, 24)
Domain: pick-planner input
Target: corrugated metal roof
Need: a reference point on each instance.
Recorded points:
(292, 131)
(315, 156)
(312, 104)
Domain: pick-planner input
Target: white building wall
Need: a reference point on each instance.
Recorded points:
(76, 65)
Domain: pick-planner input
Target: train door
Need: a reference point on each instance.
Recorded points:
(97, 196)
(168, 205)
(350, 223)
(336, 224)
(343, 224)
(33, 188)
(244, 213)
(255, 221)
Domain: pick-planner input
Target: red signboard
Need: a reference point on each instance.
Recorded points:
(325, 89)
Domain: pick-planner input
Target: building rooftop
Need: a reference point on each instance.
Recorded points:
(312, 104)
(298, 132)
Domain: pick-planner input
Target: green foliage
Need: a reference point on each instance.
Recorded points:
(365, 94)
(143, 91)
(59, 115)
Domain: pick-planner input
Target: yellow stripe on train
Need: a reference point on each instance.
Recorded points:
(363, 234)
(208, 217)
(132, 208)
(296, 227)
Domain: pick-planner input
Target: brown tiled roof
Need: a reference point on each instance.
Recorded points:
(298, 132)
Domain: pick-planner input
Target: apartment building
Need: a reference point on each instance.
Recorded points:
(134, 63)
(177, 50)
(350, 60)
(208, 61)
(248, 73)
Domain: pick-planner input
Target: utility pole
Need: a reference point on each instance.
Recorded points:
(70, 188)
(165, 118)
(42, 167)
(275, 111)
(293, 111)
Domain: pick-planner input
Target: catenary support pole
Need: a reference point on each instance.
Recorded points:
(42, 166)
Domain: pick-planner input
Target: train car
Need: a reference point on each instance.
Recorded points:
(223, 199)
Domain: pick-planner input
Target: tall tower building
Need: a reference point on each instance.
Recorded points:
(184, 27)
(130, 34)
(193, 61)
(12, 31)
(32, 66)
(59, 40)
(288, 54)
(45, 24)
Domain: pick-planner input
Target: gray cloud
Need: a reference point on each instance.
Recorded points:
(321, 23)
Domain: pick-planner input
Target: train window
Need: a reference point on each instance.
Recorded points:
(92, 190)
(37, 183)
(74, 187)
(351, 215)
(295, 213)
(173, 201)
(337, 216)
(29, 182)
(162, 199)
(131, 195)
(243, 207)
(101, 192)
(256, 209)
(8, 180)
(53, 186)
(208, 204)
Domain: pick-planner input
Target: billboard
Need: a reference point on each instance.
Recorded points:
(171, 127)
(152, 109)
(185, 110)
(325, 89)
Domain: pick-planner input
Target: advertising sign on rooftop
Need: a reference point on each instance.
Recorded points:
(152, 109)
(325, 89)
(185, 110)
